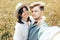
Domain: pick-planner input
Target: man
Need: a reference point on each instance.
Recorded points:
(39, 30)
(37, 9)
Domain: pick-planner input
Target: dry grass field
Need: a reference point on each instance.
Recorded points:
(8, 19)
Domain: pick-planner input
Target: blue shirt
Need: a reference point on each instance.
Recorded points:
(34, 31)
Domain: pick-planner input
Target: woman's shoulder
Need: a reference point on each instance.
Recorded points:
(18, 26)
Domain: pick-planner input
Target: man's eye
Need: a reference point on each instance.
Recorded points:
(35, 11)
(32, 11)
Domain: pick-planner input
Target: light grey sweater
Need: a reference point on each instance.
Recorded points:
(21, 31)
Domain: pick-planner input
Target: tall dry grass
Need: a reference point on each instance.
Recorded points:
(8, 19)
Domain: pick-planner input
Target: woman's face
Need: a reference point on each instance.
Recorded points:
(25, 13)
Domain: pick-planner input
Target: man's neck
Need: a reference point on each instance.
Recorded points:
(38, 21)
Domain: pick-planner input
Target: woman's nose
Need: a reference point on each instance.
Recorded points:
(27, 12)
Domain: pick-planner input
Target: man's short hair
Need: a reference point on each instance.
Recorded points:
(41, 4)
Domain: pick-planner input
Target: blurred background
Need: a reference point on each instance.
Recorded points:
(8, 18)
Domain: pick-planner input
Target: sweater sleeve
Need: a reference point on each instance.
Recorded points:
(17, 34)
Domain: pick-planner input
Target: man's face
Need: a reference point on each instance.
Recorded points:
(36, 12)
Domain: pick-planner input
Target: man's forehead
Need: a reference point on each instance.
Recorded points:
(36, 7)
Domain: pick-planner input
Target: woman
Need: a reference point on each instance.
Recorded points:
(21, 28)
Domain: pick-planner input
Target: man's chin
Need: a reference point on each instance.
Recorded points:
(36, 18)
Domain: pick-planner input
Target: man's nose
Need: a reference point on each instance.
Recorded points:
(33, 13)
